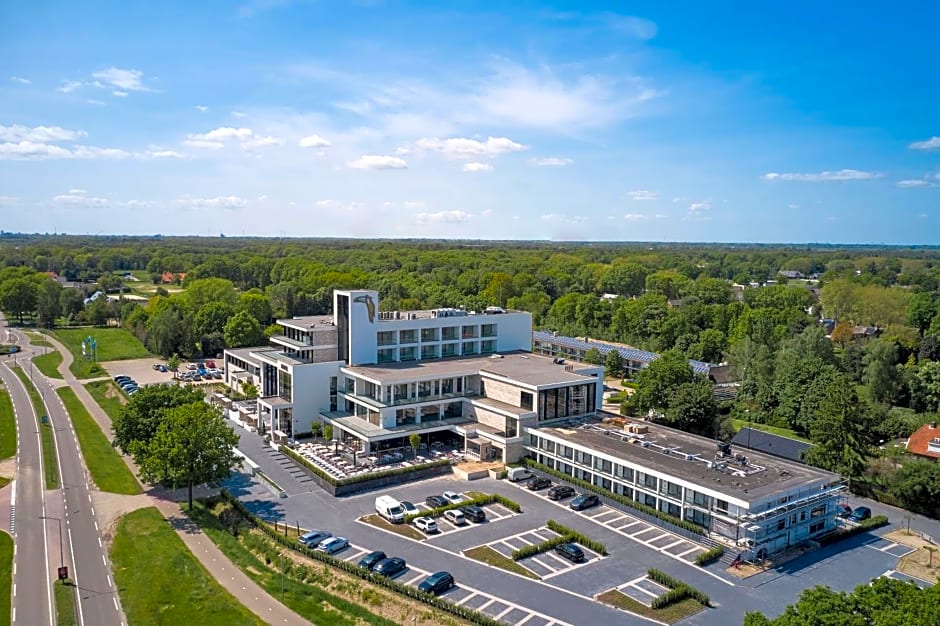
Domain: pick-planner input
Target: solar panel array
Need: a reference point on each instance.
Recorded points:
(632, 354)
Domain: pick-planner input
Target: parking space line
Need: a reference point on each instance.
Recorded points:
(486, 604)
(414, 580)
(571, 568)
(630, 583)
(502, 614)
(674, 543)
(625, 526)
(525, 619)
(462, 600)
(613, 521)
(555, 557)
(659, 537)
(535, 559)
(888, 547)
(689, 551)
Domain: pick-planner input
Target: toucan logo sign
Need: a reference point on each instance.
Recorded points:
(370, 305)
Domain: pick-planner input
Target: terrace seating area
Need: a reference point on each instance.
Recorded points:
(335, 459)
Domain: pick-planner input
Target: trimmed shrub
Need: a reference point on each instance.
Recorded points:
(616, 497)
(678, 590)
(538, 548)
(838, 535)
(481, 501)
(576, 537)
(710, 556)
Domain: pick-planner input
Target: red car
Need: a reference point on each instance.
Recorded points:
(210, 364)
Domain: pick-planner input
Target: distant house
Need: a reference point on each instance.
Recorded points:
(865, 332)
(170, 278)
(726, 381)
(94, 296)
(925, 442)
(791, 273)
(785, 447)
(610, 296)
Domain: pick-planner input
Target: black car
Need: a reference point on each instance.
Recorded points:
(372, 559)
(473, 513)
(559, 492)
(390, 567)
(570, 551)
(120, 378)
(843, 511)
(436, 583)
(584, 501)
(436, 501)
(537, 483)
(860, 514)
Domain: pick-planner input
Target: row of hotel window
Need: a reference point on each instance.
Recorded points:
(447, 333)
(436, 351)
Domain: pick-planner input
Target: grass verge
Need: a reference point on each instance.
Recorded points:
(402, 529)
(113, 344)
(315, 591)
(669, 615)
(6, 578)
(48, 363)
(488, 555)
(774, 430)
(65, 603)
(4, 481)
(7, 426)
(108, 397)
(50, 461)
(161, 582)
(107, 468)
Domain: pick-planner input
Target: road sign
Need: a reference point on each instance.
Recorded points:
(64, 572)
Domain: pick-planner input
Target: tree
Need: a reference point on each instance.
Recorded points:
(211, 318)
(243, 330)
(18, 296)
(414, 440)
(917, 486)
(624, 279)
(257, 305)
(925, 387)
(316, 427)
(613, 364)
(693, 408)
(593, 356)
(842, 334)
(881, 376)
(921, 310)
(170, 332)
(657, 383)
(193, 445)
(840, 431)
(48, 302)
(328, 432)
(138, 420)
(203, 291)
(249, 390)
(173, 363)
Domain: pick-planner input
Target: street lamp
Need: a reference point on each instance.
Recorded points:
(61, 549)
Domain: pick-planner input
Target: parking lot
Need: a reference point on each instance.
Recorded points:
(545, 565)
(140, 370)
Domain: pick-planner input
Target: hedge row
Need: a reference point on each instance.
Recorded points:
(873, 522)
(538, 548)
(587, 542)
(678, 590)
(474, 617)
(616, 497)
(710, 556)
(337, 482)
(496, 498)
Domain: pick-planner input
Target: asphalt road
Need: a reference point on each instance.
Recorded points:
(82, 546)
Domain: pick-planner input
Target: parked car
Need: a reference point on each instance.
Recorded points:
(427, 524)
(410, 508)
(584, 501)
(455, 517)
(162, 368)
(210, 364)
(436, 583)
(372, 559)
(191, 366)
(518, 474)
(436, 501)
(843, 511)
(860, 514)
(314, 537)
(217, 375)
(333, 545)
(196, 377)
(473, 513)
(570, 551)
(560, 492)
(121, 378)
(156, 367)
(131, 392)
(538, 483)
(390, 567)
(453, 497)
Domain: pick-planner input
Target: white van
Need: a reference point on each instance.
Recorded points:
(519, 473)
(390, 508)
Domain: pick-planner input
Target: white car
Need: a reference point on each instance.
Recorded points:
(455, 517)
(453, 497)
(426, 524)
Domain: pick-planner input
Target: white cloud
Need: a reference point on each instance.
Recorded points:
(314, 141)
(635, 217)
(699, 211)
(930, 144)
(165, 154)
(477, 167)
(216, 139)
(906, 184)
(21, 80)
(642, 194)
(218, 202)
(447, 217)
(465, 148)
(201, 108)
(838, 175)
(119, 94)
(378, 162)
(262, 197)
(260, 142)
(124, 80)
(239, 114)
(78, 191)
(80, 199)
(68, 86)
(704, 205)
(40, 134)
(550, 162)
(413, 204)
(793, 206)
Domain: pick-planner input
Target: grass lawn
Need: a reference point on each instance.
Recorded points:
(4, 481)
(107, 468)
(65, 603)
(488, 555)
(48, 363)
(776, 430)
(6, 578)
(114, 344)
(669, 614)
(161, 582)
(7, 426)
(402, 529)
(50, 462)
(108, 396)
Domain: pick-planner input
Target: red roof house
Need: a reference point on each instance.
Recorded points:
(925, 442)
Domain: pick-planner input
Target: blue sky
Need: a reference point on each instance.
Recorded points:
(719, 122)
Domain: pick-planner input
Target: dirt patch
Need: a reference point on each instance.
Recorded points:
(924, 562)
(112, 393)
(8, 467)
(110, 507)
(475, 466)
(746, 570)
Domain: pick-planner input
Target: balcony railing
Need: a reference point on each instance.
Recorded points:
(373, 401)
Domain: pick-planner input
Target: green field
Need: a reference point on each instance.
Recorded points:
(776, 430)
(107, 468)
(6, 578)
(48, 363)
(161, 582)
(114, 344)
(50, 462)
(7, 426)
(65, 603)
(108, 396)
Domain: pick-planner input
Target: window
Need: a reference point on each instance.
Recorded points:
(512, 427)
(781, 524)
(818, 511)
(721, 506)
(408, 336)
(525, 400)
(407, 354)
(385, 338)
(449, 333)
(428, 334)
(815, 528)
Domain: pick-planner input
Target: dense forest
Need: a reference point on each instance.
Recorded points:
(836, 344)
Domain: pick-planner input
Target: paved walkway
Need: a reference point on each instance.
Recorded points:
(236, 582)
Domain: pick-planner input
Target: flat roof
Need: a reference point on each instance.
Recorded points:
(524, 367)
(763, 475)
(500, 406)
(246, 354)
(308, 322)
(371, 431)
(627, 352)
